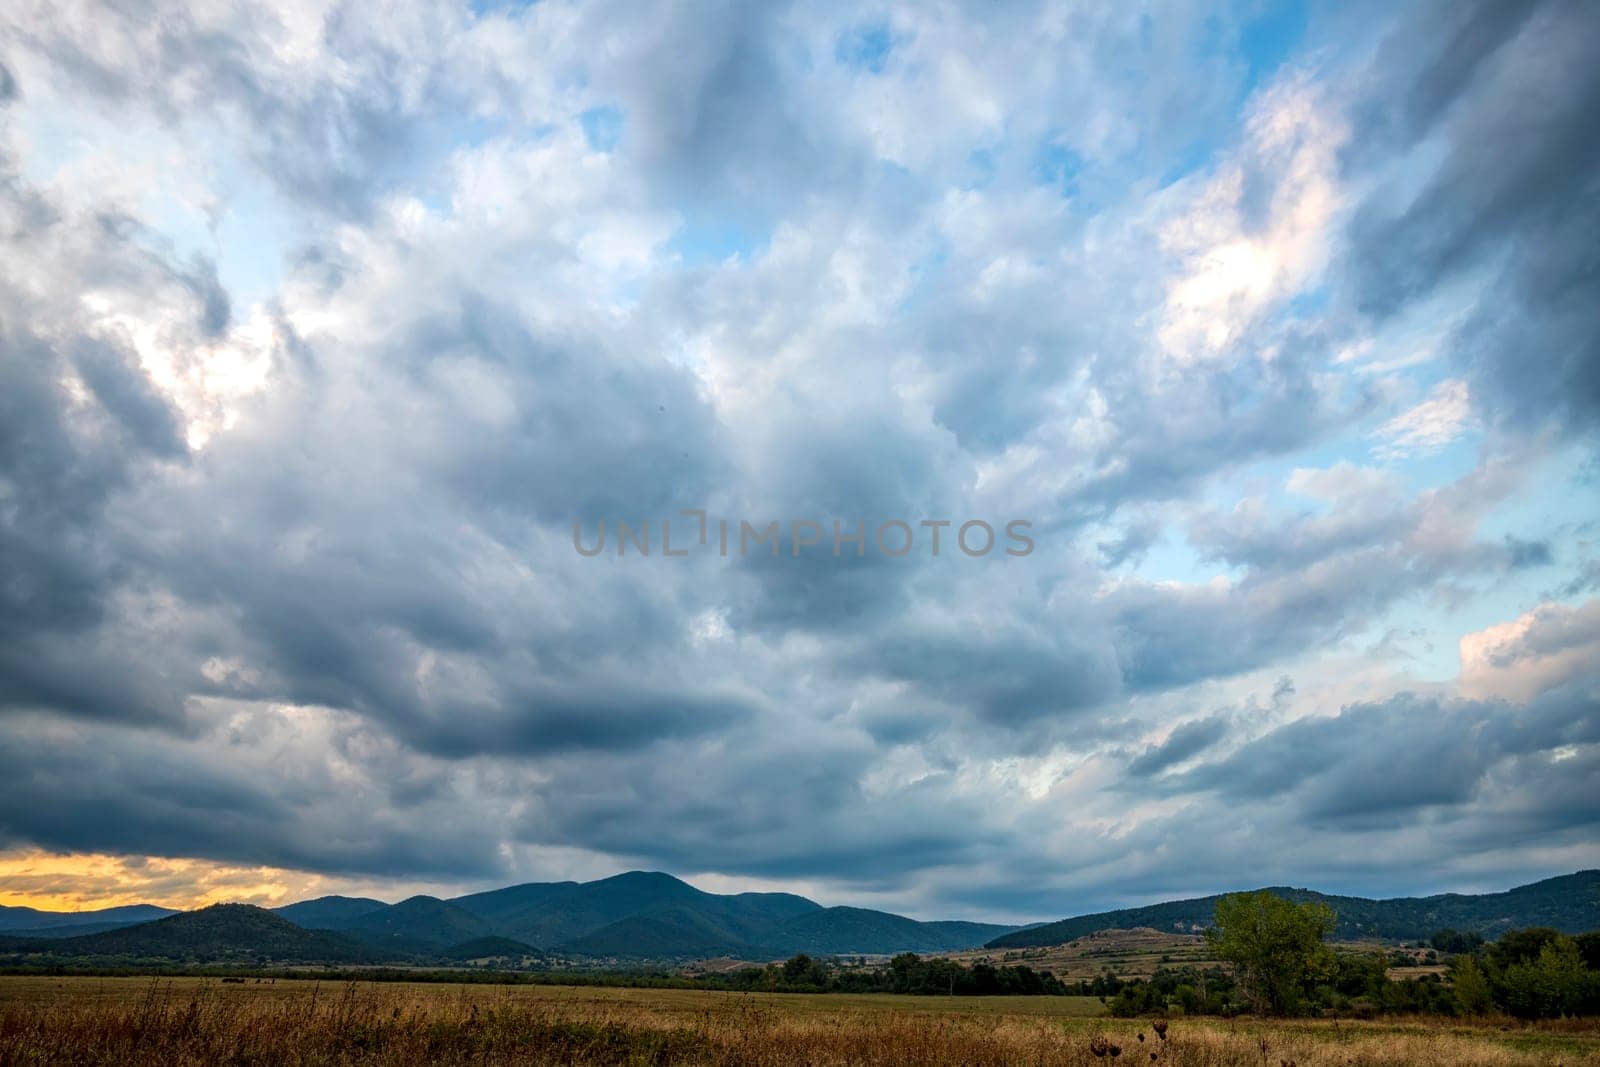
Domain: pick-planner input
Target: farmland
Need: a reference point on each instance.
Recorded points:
(90, 1020)
(1125, 953)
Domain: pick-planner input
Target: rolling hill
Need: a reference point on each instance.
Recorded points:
(33, 920)
(639, 914)
(221, 933)
(675, 931)
(636, 915)
(844, 931)
(653, 916)
(1570, 903)
(417, 924)
(324, 913)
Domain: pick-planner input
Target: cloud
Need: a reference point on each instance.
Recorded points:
(1549, 646)
(1185, 742)
(1304, 580)
(1488, 173)
(1259, 231)
(292, 441)
(1429, 426)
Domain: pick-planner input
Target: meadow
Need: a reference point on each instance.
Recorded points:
(193, 1021)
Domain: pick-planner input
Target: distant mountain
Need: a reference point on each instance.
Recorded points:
(1570, 903)
(497, 905)
(328, 913)
(33, 919)
(843, 931)
(417, 925)
(675, 931)
(76, 930)
(640, 915)
(651, 915)
(224, 933)
(560, 918)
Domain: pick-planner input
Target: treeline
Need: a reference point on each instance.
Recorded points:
(1533, 973)
(1537, 973)
(906, 973)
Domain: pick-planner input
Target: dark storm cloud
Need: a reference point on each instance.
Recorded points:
(1006, 675)
(125, 393)
(849, 466)
(692, 805)
(603, 715)
(640, 445)
(1201, 421)
(1378, 764)
(120, 792)
(723, 132)
(64, 460)
(1508, 93)
(1185, 742)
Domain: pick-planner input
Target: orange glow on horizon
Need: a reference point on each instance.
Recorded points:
(53, 881)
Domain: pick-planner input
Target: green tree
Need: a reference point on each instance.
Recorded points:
(1521, 946)
(1553, 985)
(802, 970)
(1471, 987)
(1275, 945)
(1589, 949)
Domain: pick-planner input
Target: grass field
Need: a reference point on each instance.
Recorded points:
(191, 1021)
(1139, 953)
(1125, 953)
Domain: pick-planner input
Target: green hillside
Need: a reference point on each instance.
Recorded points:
(640, 915)
(222, 933)
(843, 931)
(1570, 903)
(498, 905)
(666, 932)
(328, 913)
(654, 916)
(418, 924)
(30, 920)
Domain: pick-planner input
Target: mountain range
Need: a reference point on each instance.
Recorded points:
(637, 915)
(1569, 903)
(653, 916)
(221, 933)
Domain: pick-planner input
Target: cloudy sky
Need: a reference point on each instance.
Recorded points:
(322, 323)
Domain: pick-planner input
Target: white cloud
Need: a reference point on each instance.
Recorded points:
(1544, 648)
(1429, 426)
(1258, 231)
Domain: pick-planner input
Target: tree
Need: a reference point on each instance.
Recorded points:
(1471, 987)
(1553, 985)
(1521, 946)
(803, 970)
(1454, 941)
(1589, 949)
(1275, 947)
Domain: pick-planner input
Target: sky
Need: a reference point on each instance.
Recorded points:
(324, 325)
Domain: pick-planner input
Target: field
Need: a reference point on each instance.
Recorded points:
(1138, 953)
(1125, 953)
(192, 1021)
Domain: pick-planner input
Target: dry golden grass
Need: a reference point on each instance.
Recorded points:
(1127, 953)
(1140, 952)
(192, 1022)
